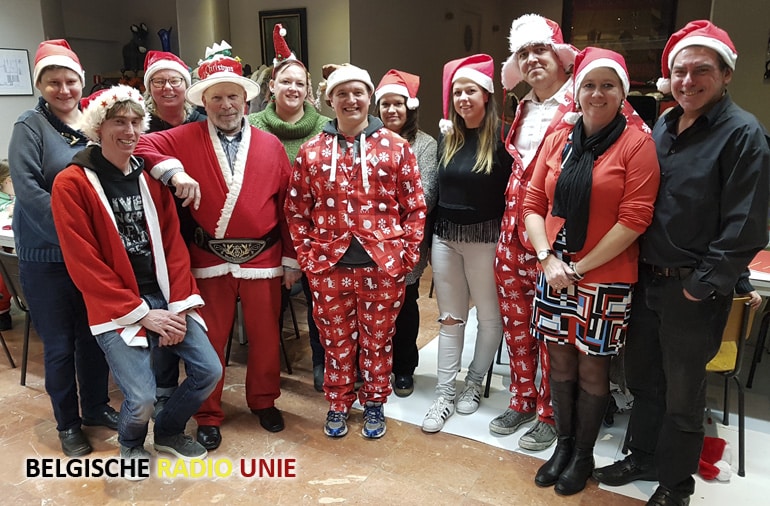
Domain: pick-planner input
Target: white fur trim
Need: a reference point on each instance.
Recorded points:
(725, 472)
(233, 179)
(347, 73)
(61, 61)
(603, 62)
(237, 272)
(94, 115)
(717, 45)
(571, 118)
(290, 262)
(166, 65)
(412, 103)
(194, 93)
(529, 29)
(398, 89)
(161, 168)
(477, 77)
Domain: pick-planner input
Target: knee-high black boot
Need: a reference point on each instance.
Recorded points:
(589, 412)
(563, 402)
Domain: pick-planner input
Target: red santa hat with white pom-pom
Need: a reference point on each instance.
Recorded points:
(592, 58)
(96, 106)
(695, 33)
(282, 51)
(715, 459)
(479, 68)
(401, 83)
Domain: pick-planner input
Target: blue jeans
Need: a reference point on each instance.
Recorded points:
(132, 369)
(72, 358)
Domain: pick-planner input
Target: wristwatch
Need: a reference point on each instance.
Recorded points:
(543, 254)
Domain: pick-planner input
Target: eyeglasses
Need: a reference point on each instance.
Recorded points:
(175, 82)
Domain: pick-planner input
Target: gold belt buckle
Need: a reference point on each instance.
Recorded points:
(237, 251)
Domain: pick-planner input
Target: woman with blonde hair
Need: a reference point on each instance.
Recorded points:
(474, 168)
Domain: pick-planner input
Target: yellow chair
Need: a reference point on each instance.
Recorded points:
(727, 363)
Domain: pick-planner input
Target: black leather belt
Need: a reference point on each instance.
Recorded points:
(235, 251)
(671, 272)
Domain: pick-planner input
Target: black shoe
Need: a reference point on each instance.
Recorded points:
(575, 476)
(6, 323)
(404, 385)
(318, 377)
(107, 418)
(74, 442)
(270, 419)
(625, 471)
(664, 496)
(549, 473)
(209, 436)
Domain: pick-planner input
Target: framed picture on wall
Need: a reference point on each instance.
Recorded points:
(15, 77)
(637, 29)
(295, 23)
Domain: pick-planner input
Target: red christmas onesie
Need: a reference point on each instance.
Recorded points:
(244, 203)
(332, 200)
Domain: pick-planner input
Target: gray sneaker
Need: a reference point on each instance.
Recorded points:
(509, 422)
(181, 445)
(539, 437)
(137, 452)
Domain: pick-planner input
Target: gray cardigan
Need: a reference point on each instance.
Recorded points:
(426, 150)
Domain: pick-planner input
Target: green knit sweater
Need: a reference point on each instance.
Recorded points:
(291, 135)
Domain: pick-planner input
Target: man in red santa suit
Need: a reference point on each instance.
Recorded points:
(241, 249)
(356, 211)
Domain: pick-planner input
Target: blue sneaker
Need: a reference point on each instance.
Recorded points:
(336, 424)
(374, 420)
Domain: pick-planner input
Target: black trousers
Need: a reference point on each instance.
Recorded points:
(670, 340)
(405, 353)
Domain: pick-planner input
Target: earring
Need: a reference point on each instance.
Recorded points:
(577, 106)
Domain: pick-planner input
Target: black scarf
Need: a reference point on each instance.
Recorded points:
(572, 197)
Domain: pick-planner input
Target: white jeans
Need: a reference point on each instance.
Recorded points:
(463, 271)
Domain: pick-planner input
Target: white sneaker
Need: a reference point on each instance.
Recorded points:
(441, 409)
(469, 399)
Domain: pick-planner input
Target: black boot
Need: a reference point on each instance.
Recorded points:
(549, 473)
(590, 411)
(563, 401)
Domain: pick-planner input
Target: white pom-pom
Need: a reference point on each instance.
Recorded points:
(282, 31)
(664, 85)
(412, 103)
(571, 118)
(445, 126)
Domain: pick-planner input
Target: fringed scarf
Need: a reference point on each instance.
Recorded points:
(572, 196)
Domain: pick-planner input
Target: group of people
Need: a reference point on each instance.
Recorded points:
(571, 230)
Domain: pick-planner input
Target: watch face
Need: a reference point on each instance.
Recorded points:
(542, 255)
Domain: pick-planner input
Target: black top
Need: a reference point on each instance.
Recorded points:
(466, 197)
(712, 207)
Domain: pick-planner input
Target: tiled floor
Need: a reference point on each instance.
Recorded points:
(405, 467)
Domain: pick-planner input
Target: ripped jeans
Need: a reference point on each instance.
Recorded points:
(464, 271)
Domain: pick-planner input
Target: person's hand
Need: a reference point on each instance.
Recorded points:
(290, 276)
(756, 299)
(557, 273)
(688, 296)
(170, 327)
(187, 188)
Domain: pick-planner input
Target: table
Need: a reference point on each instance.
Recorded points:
(6, 234)
(760, 273)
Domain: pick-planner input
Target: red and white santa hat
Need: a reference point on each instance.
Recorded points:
(162, 60)
(534, 29)
(401, 83)
(220, 67)
(57, 52)
(592, 58)
(282, 51)
(479, 68)
(96, 106)
(695, 33)
(346, 73)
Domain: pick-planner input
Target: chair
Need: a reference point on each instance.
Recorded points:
(727, 363)
(9, 267)
(760, 348)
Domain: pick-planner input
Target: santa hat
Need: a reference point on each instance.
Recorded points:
(346, 73)
(715, 459)
(534, 29)
(57, 52)
(479, 68)
(592, 58)
(400, 83)
(96, 106)
(162, 60)
(695, 33)
(220, 67)
(282, 51)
